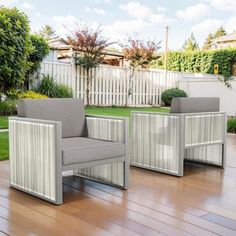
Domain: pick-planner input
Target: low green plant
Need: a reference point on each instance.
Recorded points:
(231, 125)
(8, 107)
(31, 94)
(48, 86)
(168, 94)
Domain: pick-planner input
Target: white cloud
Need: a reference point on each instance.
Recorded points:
(122, 29)
(95, 10)
(27, 5)
(193, 12)
(64, 25)
(230, 25)
(136, 10)
(223, 5)
(139, 11)
(144, 22)
(207, 26)
(8, 3)
(202, 29)
(161, 9)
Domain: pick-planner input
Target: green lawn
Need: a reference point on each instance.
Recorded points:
(109, 111)
(120, 111)
(4, 152)
(3, 122)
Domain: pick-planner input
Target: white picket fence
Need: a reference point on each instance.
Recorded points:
(109, 84)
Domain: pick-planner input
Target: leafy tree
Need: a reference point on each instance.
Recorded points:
(207, 43)
(39, 50)
(219, 32)
(140, 54)
(190, 44)
(48, 32)
(89, 46)
(15, 48)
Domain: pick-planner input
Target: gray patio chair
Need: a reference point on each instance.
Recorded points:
(50, 136)
(194, 130)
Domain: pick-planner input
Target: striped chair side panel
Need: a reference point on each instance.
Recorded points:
(111, 130)
(204, 129)
(204, 136)
(32, 158)
(156, 142)
(211, 154)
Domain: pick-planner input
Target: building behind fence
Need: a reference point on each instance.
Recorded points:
(109, 85)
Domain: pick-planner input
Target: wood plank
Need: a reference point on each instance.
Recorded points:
(224, 221)
(68, 219)
(201, 203)
(139, 209)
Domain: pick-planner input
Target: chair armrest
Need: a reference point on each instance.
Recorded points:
(35, 157)
(108, 128)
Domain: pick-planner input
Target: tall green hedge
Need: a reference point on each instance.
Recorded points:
(202, 61)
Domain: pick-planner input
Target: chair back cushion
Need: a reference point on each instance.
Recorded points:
(195, 104)
(69, 111)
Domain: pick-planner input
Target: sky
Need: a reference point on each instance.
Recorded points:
(120, 19)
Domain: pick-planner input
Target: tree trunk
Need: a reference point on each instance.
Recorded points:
(88, 87)
(130, 88)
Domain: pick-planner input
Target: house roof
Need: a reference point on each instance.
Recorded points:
(225, 38)
(61, 44)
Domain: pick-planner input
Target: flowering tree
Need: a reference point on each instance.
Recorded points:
(139, 53)
(89, 46)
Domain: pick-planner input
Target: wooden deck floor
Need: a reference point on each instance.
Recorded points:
(203, 202)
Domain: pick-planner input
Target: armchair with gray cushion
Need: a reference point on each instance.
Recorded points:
(50, 136)
(194, 130)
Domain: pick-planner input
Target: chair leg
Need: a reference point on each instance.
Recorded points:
(126, 174)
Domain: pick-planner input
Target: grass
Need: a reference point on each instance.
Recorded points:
(4, 150)
(3, 122)
(109, 111)
(120, 111)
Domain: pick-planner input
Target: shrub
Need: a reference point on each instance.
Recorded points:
(168, 94)
(231, 125)
(8, 107)
(31, 94)
(49, 87)
(64, 91)
(15, 47)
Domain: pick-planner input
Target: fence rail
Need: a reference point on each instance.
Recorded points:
(109, 85)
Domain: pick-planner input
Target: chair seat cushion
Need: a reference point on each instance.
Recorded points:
(79, 149)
